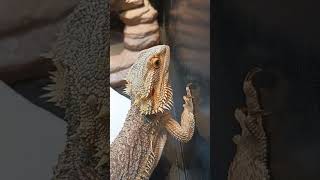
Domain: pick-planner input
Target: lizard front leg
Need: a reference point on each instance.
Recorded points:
(183, 132)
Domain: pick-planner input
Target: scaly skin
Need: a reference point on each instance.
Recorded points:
(81, 56)
(137, 149)
(249, 162)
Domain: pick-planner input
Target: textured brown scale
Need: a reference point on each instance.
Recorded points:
(136, 151)
(80, 86)
(249, 162)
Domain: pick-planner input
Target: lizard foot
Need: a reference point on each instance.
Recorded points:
(247, 85)
(240, 117)
(188, 102)
(252, 73)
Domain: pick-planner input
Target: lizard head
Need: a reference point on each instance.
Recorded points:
(148, 81)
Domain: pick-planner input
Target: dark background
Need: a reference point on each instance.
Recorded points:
(282, 37)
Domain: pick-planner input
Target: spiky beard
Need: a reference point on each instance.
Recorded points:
(57, 87)
(160, 96)
(163, 100)
(159, 101)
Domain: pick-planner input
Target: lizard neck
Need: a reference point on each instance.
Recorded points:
(141, 118)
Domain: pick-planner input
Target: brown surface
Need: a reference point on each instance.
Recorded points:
(18, 13)
(121, 5)
(142, 43)
(26, 46)
(36, 69)
(122, 61)
(117, 79)
(141, 30)
(140, 15)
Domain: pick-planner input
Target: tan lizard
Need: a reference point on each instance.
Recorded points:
(249, 162)
(137, 149)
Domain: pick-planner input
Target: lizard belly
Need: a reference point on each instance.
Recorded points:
(132, 148)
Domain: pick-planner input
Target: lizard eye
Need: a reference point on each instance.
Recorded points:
(156, 62)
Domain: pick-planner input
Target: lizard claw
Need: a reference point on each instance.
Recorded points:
(188, 98)
(252, 73)
(189, 84)
(236, 139)
(240, 117)
(188, 90)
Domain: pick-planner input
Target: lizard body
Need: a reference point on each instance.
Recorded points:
(249, 162)
(80, 85)
(137, 149)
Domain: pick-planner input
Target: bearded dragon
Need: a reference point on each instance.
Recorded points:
(136, 151)
(249, 162)
(81, 57)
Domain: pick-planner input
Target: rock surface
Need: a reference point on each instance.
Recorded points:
(18, 13)
(144, 14)
(122, 5)
(28, 29)
(138, 44)
(141, 31)
(25, 47)
(123, 60)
